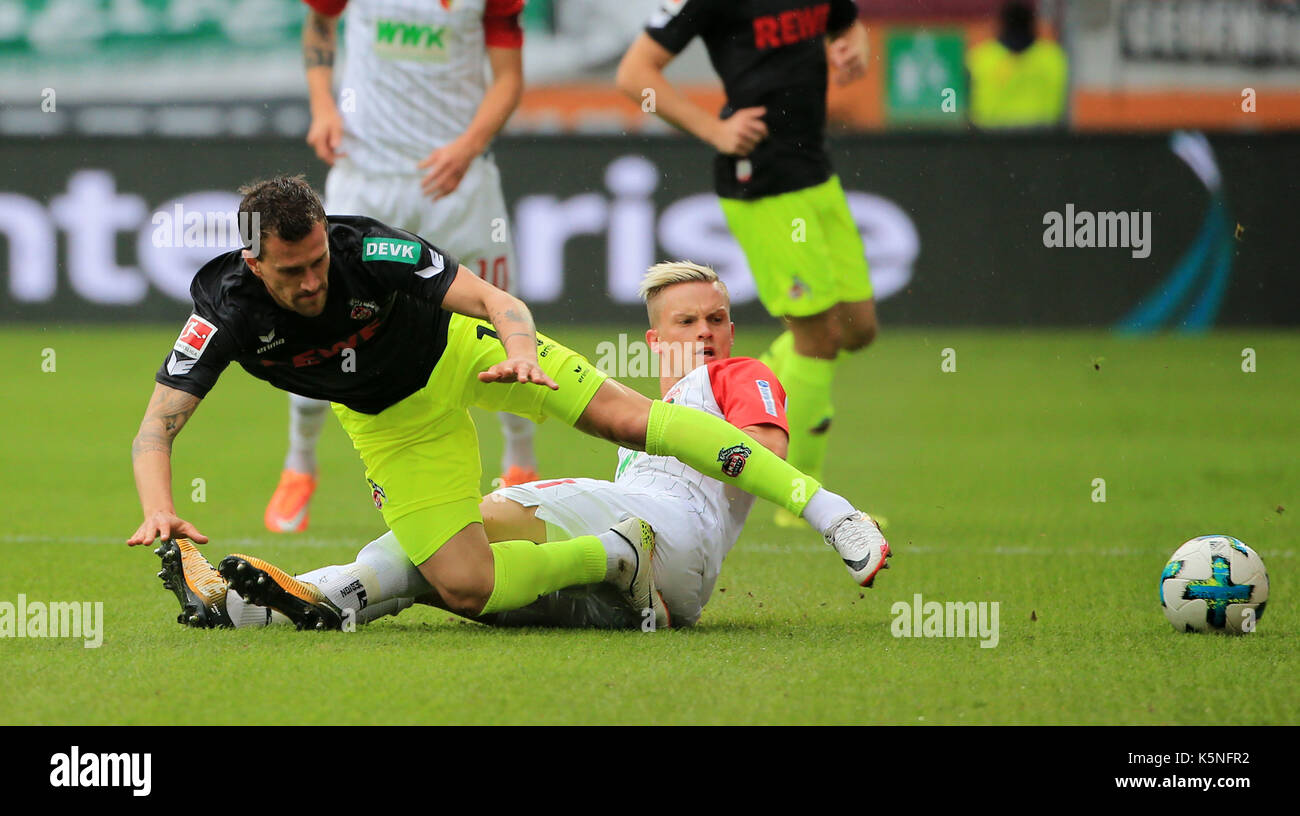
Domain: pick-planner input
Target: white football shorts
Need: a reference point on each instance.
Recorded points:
(472, 223)
(686, 565)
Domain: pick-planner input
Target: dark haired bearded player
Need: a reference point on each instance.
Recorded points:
(391, 330)
(409, 143)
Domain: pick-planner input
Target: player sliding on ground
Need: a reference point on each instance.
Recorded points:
(390, 329)
(696, 519)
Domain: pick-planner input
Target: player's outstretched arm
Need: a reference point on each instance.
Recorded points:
(448, 164)
(472, 296)
(848, 53)
(151, 458)
(319, 45)
(641, 77)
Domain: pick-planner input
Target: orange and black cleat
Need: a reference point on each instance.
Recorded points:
(262, 583)
(196, 583)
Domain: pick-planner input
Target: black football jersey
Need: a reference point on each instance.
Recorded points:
(381, 333)
(772, 53)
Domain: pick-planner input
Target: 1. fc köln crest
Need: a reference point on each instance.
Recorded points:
(377, 494)
(362, 309)
(733, 459)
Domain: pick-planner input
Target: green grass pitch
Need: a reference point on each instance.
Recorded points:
(986, 475)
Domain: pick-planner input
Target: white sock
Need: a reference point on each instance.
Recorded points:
(519, 442)
(349, 586)
(245, 615)
(378, 610)
(397, 576)
(826, 509)
(306, 419)
(620, 558)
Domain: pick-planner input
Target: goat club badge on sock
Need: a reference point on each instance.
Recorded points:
(733, 459)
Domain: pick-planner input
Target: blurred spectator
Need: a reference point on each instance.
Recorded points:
(1018, 80)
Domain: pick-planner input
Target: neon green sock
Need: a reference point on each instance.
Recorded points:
(719, 449)
(525, 571)
(777, 354)
(807, 382)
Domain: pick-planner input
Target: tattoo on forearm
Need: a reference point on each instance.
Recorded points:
(164, 418)
(318, 42)
(317, 57)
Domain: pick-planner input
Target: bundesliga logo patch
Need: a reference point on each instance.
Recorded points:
(377, 494)
(195, 337)
(733, 459)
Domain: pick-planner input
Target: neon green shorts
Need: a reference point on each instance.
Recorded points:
(803, 249)
(421, 454)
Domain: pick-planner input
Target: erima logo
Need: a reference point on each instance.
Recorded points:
(90, 770)
(179, 366)
(435, 266)
(390, 249)
(268, 342)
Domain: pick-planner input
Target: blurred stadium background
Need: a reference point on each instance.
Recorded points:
(112, 111)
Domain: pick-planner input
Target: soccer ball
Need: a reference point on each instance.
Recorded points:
(1214, 583)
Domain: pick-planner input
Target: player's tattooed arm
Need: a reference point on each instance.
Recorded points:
(319, 40)
(471, 296)
(169, 409)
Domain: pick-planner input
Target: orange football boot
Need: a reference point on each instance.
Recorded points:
(517, 475)
(287, 512)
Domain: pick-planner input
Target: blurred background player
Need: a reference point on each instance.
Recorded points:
(781, 198)
(1017, 79)
(697, 520)
(407, 144)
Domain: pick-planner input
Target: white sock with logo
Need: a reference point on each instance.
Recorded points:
(519, 442)
(306, 419)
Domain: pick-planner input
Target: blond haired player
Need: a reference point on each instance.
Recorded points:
(697, 519)
(408, 144)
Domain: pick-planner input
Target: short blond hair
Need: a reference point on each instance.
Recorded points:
(670, 273)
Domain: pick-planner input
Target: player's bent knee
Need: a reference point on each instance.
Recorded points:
(462, 571)
(507, 520)
(858, 337)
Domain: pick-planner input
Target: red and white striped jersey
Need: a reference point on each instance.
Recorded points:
(414, 73)
(744, 392)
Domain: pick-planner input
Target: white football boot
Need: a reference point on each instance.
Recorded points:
(640, 590)
(858, 541)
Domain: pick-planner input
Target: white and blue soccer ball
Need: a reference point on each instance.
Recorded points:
(1214, 583)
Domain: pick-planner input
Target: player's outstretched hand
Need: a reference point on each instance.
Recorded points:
(518, 370)
(848, 56)
(326, 135)
(738, 134)
(165, 526)
(447, 166)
